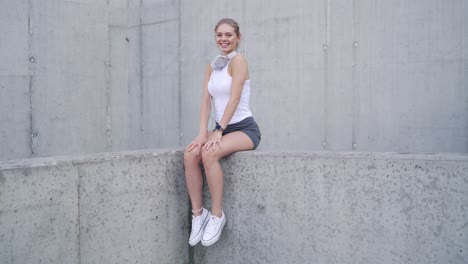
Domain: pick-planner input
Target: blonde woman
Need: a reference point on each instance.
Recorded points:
(227, 83)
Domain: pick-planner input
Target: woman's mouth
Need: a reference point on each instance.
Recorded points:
(224, 45)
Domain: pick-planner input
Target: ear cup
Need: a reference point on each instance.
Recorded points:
(220, 61)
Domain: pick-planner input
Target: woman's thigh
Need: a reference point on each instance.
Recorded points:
(230, 143)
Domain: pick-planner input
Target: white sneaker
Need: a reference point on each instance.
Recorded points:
(198, 226)
(213, 230)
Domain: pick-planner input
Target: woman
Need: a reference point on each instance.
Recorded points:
(227, 83)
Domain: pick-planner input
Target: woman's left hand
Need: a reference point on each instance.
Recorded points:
(213, 141)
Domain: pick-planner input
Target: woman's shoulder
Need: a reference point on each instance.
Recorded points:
(239, 60)
(239, 57)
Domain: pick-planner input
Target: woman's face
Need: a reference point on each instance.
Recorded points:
(226, 39)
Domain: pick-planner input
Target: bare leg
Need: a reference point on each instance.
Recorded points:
(230, 143)
(194, 178)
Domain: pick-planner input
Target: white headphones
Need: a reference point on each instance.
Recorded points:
(220, 61)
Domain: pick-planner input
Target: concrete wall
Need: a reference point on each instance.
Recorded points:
(281, 207)
(342, 75)
(88, 76)
(105, 208)
(341, 208)
(92, 76)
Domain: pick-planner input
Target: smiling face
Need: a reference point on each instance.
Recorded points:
(226, 38)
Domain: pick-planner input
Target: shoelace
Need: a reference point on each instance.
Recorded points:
(212, 227)
(196, 223)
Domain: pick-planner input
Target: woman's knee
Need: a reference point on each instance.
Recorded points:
(191, 158)
(209, 156)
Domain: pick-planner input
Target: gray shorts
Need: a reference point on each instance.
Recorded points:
(249, 127)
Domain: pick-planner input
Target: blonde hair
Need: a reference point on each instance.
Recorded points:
(230, 22)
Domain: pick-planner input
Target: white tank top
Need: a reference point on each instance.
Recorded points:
(219, 88)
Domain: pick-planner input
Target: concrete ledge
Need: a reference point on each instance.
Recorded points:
(289, 207)
(128, 207)
(282, 207)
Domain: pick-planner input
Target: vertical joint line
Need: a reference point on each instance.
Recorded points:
(191, 250)
(180, 77)
(354, 99)
(79, 212)
(325, 73)
(129, 73)
(460, 54)
(32, 134)
(31, 118)
(108, 84)
(243, 22)
(141, 77)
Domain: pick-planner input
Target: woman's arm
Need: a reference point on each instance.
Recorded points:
(204, 114)
(205, 107)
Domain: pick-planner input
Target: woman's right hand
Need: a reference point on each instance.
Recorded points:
(197, 143)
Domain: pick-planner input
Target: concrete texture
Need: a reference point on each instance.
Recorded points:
(285, 207)
(109, 75)
(281, 207)
(88, 76)
(15, 136)
(39, 214)
(104, 208)
(341, 75)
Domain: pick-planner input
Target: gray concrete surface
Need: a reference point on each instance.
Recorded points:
(88, 76)
(109, 75)
(286, 207)
(282, 207)
(342, 75)
(39, 214)
(104, 208)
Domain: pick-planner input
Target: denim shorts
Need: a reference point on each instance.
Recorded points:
(249, 127)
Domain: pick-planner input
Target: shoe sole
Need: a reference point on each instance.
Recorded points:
(215, 239)
(199, 237)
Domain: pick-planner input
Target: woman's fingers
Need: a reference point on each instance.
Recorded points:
(212, 145)
(207, 145)
(193, 145)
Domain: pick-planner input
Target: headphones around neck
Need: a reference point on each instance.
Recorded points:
(220, 61)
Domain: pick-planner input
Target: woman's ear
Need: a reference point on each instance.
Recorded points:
(238, 41)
